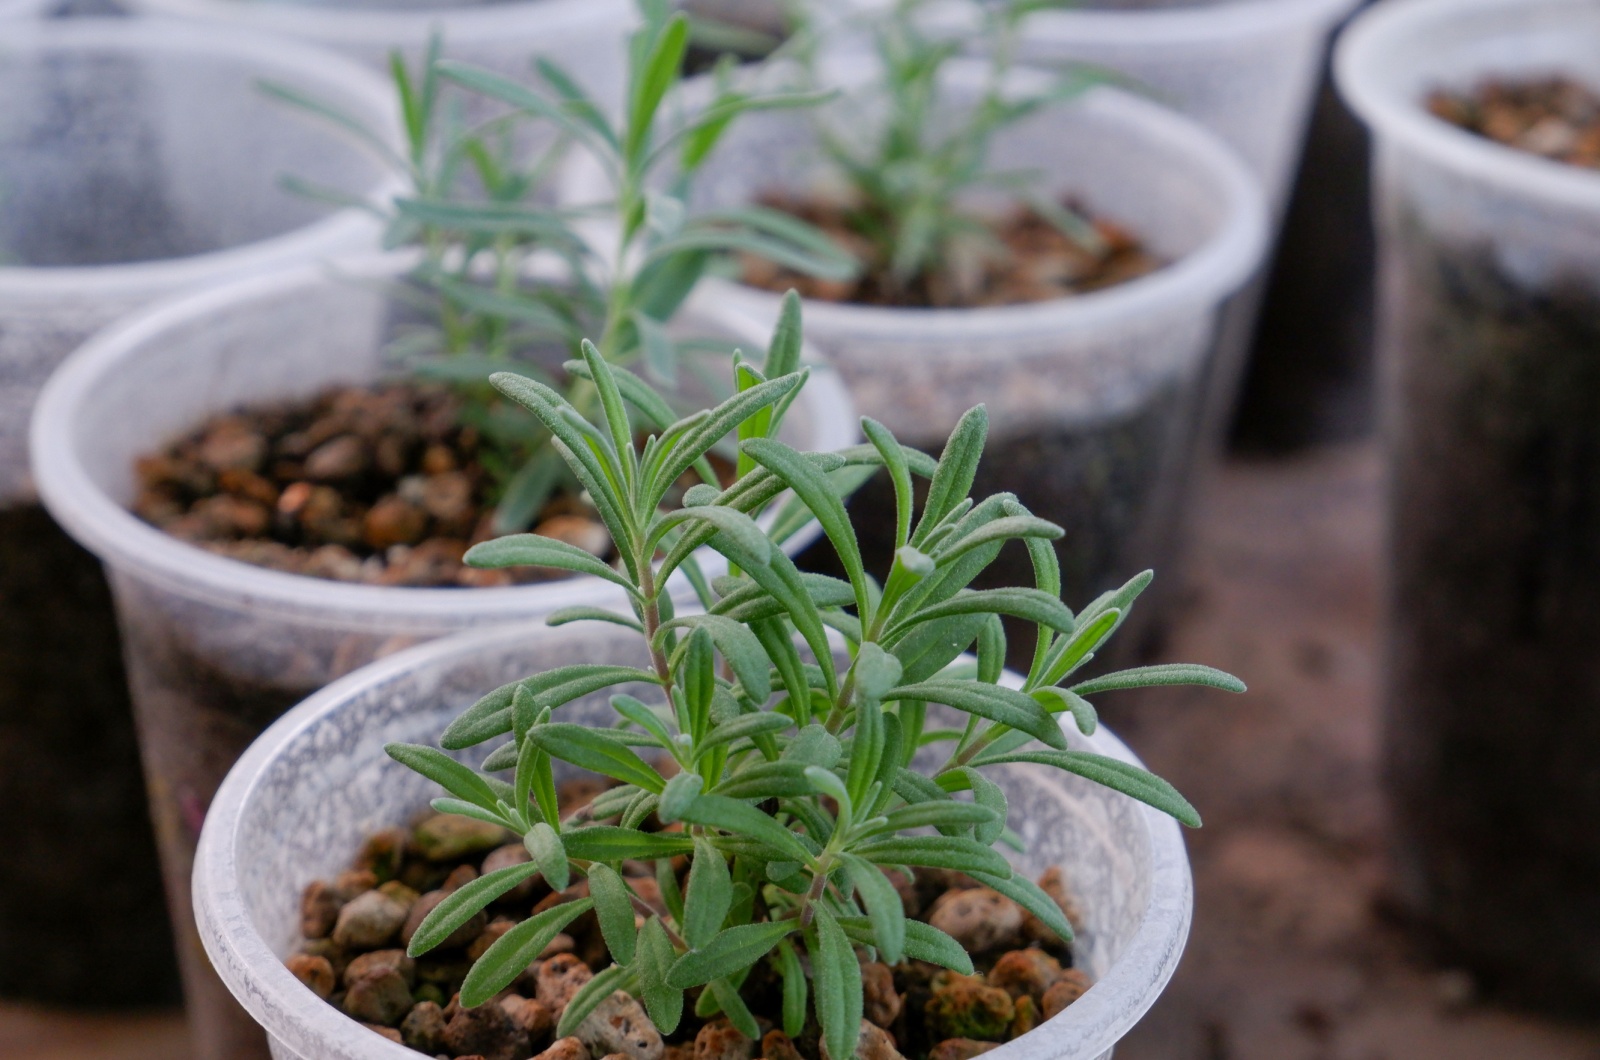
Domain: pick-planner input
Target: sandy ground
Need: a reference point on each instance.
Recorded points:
(1291, 956)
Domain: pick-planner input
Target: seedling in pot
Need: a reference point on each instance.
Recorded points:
(486, 226)
(910, 159)
(777, 751)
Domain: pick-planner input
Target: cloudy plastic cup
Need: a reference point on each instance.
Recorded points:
(306, 795)
(1489, 333)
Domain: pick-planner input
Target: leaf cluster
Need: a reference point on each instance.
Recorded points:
(913, 153)
(772, 739)
(508, 275)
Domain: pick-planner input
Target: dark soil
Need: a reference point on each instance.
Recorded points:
(377, 485)
(80, 892)
(1555, 117)
(1495, 736)
(353, 957)
(1031, 261)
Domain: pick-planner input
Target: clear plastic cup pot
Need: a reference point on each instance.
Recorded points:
(136, 160)
(305, 796)
(1489, 345)
(217, 649)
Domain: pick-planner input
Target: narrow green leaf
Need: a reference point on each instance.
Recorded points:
(513, 952)
(462, 904)
(589, 996)
(614, 910)
(729, 952)
(1027, 894)
(936, 852)
(608, 843)
(924, 942)
(544, 845)
(1112, 773)
(730, 815)
(446, 772)
(680, 791)
(531, 550)
(708, 896)
(883, 906)
(838, 978)
(664, 1003)
(958, 465)
(1161, 675)
(596, 750)
(994, 702)
(794, 989)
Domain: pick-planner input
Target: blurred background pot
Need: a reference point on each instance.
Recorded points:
(588, 38)
(116, 189)
(304, 797)
(217, 649)
(1490, 347)
(1092, 399)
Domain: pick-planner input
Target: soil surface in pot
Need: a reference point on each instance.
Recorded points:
(356, 926)
(379, 485)
(1556, 117)
(1025, 259)
(81, 890)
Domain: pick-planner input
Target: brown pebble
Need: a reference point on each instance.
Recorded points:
(486, 1030)
(964, 1006)
(294, 497)
(874, 1043)
(459, 877)
(232, 445)
(330, 951)
(423, 1027)
(565, 1049)
(881, 1001)
(776, 1045)
(400, 893)
(315, 972)
(960, 1049)
(381, 960)
(381, 997)
(448, 837)
(392, 521)
(1026, 1017)
(319, 908)
(336, 460)
(1025, 973)
(979, 919)
(383, 854)
(559, 978)
(1064, 991)
(369, 922)
(355, 882)
(448, 498)
(721, 1040)
(529, 1013)
(489, 936)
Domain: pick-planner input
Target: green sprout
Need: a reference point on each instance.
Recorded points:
(911, 157)
(485, 224)
(780, 722)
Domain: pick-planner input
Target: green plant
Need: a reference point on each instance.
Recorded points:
(484, 222)
(786, 753)
(911, 160)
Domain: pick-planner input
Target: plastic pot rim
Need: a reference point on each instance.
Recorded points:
(304, 64)
(126, 543)
(1380, 39)
(1220, 20)
(280, 1003)
(1203, 276)
(396, 28)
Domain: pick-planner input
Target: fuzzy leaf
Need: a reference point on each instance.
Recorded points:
(924, 942)
(445, 772)
(729, 952)
(664, 1003)
(598, 751)
(730, 815)
(994, 702)
(936, 852)
(512, 952)
(1161, 675)
(608, 843)
(883, 905)
(544, 845)
(589, 996)
(708, 896)
(1112, 773)
(614, 910)
(838, 980)
(463, 904)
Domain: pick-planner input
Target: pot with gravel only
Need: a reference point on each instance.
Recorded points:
(1490, 285)
(216, 647)
(1092, 393)
(773, 830)
(116, 195)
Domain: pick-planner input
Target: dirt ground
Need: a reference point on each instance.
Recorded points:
(1291, 956)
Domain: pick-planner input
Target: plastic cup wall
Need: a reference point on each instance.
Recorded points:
(140, 160)
(306, 795)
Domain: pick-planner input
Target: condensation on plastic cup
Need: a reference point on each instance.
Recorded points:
(184, 134)
(300, 802)
(217, 648)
